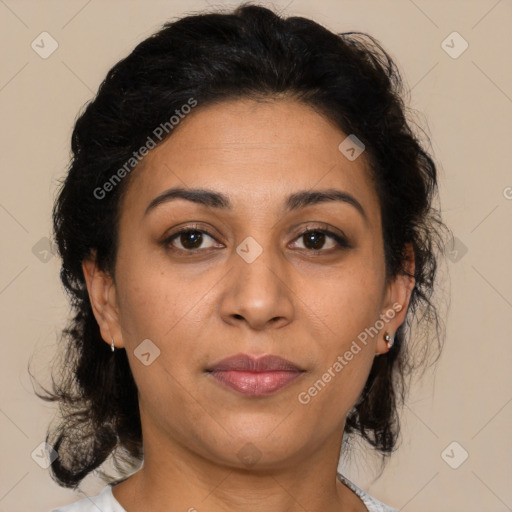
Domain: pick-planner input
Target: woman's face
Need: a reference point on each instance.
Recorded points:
(245, 279)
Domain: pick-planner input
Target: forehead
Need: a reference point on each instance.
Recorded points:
(254, 152)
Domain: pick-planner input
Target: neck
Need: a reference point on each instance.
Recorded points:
(176, 479)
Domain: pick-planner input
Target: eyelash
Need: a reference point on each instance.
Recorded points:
(340, 240)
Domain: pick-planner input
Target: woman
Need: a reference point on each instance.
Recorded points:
(247, 233)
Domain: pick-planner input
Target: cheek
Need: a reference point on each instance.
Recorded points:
(333, 392)
(345, 345)
(150, 300)
(350, 300)
(169, 309)
(349, 308)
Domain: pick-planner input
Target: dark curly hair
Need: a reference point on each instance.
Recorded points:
(250, 52)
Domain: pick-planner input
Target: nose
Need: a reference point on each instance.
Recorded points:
(258, 292)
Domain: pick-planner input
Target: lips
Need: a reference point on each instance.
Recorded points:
(253, 376)
(246, 363)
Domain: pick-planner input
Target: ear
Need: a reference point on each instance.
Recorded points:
(102, 295)
(396, 302)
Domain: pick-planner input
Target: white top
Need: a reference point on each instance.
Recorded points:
(106, 502)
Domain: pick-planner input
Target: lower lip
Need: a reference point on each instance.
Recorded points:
(255, 384)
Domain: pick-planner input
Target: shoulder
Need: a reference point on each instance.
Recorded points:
(372, 504)
(103, 501)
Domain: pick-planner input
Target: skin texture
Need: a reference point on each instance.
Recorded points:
(293, 301)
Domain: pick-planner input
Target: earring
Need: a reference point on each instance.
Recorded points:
(112, 345)
(389, 340)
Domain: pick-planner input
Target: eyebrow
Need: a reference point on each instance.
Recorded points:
(293, 202)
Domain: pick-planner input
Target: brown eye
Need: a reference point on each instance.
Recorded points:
(315, 239)
(189, 238)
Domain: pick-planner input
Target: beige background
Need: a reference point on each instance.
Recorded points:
(466, 106)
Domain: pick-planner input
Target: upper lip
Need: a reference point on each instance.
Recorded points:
(245, 362)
